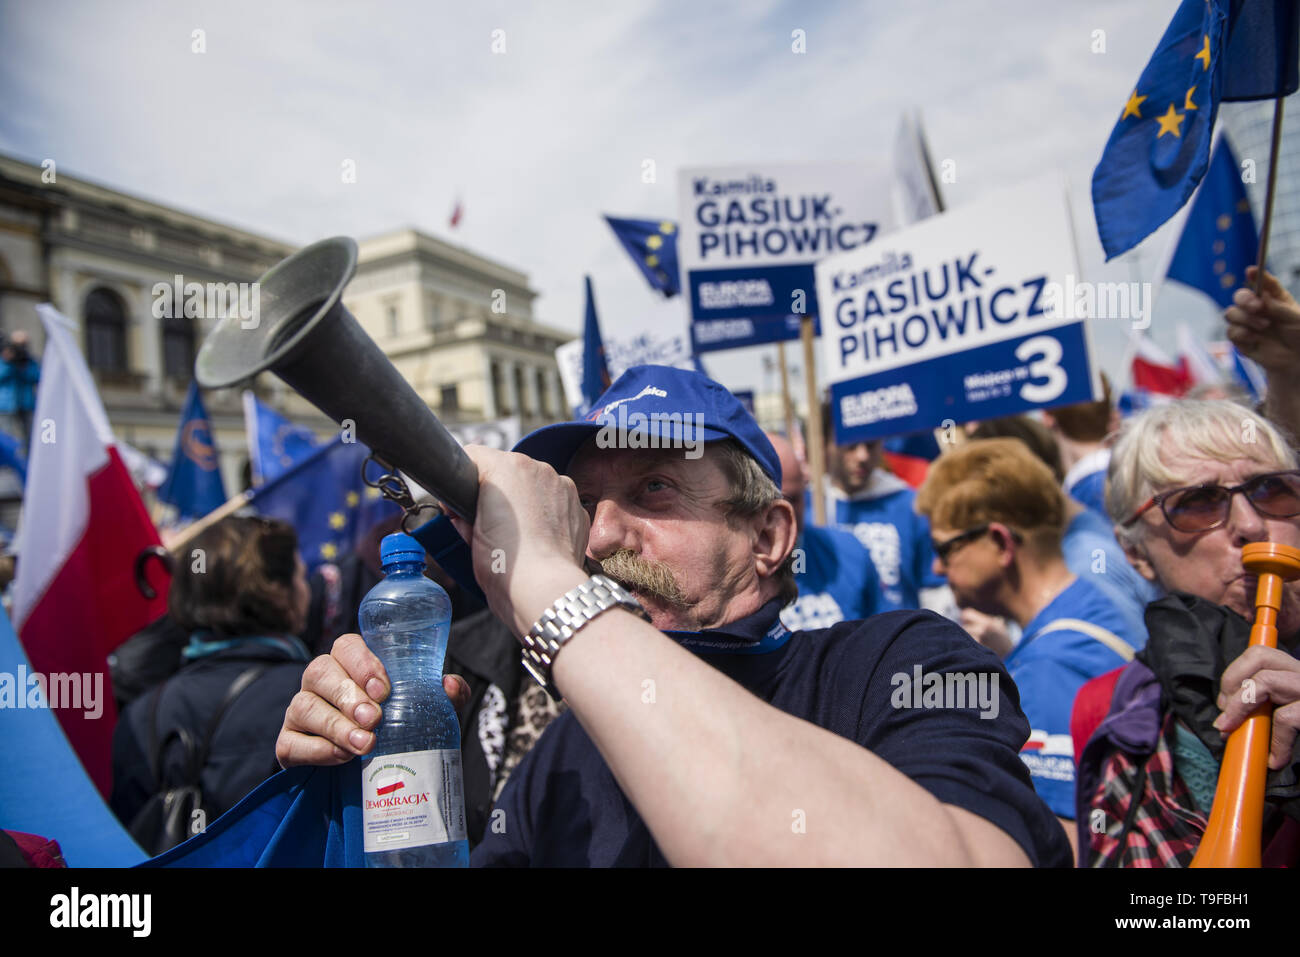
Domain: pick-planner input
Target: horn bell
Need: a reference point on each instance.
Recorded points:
(305, 335)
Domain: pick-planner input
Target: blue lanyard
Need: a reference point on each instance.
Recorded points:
(200, 648)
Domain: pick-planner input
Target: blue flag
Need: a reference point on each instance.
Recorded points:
(595, 373)
(1160, 148)
(194, 483)
(44, 788)
(274, 443)
(652, 244)
(1219, 241)
(326, 501)
(13, 455)
(1219, 238)
(1263, 49)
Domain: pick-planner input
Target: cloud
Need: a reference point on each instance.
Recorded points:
(541, 139)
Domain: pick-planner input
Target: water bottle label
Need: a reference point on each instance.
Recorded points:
(412, 799)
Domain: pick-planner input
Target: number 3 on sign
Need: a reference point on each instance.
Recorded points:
(1043, 353)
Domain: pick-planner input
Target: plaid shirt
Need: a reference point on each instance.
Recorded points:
(1141, 814)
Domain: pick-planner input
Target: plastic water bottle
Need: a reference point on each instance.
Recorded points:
(413, 796)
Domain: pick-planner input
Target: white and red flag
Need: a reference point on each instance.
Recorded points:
(75, 596)
(1154, 371)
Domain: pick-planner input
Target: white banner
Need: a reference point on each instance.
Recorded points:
(751, 234)
(957, 317)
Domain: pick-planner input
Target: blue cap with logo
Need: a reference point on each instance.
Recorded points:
(668, 408)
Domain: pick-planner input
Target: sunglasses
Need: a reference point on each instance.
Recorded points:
(1199, 508)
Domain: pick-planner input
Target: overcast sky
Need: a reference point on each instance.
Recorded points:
(543, 138)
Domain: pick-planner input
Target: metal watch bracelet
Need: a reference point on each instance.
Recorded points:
(565, 617)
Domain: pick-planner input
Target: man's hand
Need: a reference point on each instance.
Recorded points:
(1263, 675)
(529, 537)
(330, 720)
(1266, 326)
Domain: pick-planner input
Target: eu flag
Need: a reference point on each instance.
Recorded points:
(595, 373)
(274, 443)
(652, 244)
(1219, 239)
(194, 483)
(326, 500)
(1212, 50)
(13, 455)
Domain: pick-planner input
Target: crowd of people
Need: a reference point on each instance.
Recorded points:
(1034, 658)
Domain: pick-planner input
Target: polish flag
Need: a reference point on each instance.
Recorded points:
(83, 527)
(1155, 372)
(456, 214)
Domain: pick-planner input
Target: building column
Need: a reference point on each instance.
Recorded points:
(512, 387)
(150, 357)
(489, 394)
(556, 391)
(530, 386)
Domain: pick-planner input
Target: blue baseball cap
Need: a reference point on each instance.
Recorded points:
(680, 407)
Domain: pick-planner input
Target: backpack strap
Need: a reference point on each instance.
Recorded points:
(1111, 640)
(197, 756)
(237, 688)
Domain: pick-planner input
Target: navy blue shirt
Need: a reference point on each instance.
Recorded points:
(563, 808)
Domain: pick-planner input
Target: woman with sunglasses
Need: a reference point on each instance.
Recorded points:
(1189, 484)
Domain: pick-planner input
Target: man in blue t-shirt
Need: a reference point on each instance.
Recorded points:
(892, 741)
(1080, 431)
(837, 579)
(879, 508)
(997, 513)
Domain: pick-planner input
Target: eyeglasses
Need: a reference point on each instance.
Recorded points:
(943, 549)
(1199, 508)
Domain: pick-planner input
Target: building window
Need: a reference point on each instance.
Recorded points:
(105, 331)
(394, 322)
(435, 312)
(450, 401)
(178, 348)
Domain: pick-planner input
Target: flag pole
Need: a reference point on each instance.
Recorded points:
(198, 527)
(1269, 194)
(814, 439)
(786, 405)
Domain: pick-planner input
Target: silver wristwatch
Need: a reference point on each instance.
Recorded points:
(562, 620)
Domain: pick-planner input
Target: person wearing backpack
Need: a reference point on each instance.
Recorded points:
(997, 515)
(188, 750)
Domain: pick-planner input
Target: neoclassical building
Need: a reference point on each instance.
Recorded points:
(458, 325)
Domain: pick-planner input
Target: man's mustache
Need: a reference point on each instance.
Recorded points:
(640, 574)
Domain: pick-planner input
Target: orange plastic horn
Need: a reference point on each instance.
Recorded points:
(1234, 834)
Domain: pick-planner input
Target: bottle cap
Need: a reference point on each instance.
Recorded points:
(400, 548)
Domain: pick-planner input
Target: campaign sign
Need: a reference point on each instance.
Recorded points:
(958, 317)
(750, 235)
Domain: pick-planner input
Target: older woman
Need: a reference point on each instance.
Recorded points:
(1189, 484)
(205, 737)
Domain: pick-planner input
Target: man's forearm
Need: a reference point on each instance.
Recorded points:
(722, 778)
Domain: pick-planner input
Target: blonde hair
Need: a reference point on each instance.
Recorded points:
(1219, 430)
(994, 480)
